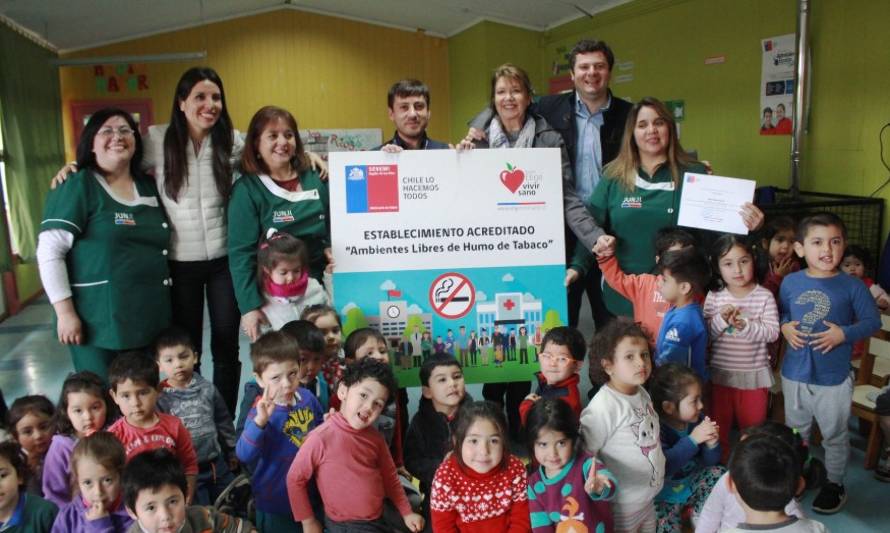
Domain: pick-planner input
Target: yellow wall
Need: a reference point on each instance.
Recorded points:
(329, 72)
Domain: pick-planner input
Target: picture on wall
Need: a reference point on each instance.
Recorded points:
(777, 85)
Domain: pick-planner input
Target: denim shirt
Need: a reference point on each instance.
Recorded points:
(588, 163)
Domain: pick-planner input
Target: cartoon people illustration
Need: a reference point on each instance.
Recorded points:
(473, 346)
(416, 348)
(462, 341)
(497, 340)
(449, 342)
(426, 344)
(484, 341)
(523, 345)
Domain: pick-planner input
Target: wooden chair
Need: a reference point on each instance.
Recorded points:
(877, 349)
(880, 373)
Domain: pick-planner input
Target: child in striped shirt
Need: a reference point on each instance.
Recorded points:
(742, 320)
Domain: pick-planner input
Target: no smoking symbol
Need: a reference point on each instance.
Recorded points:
(452, 295)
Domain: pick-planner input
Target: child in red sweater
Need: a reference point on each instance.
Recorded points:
(562, 355)
(134, 378)
(349, 461)
(641, 289)
(480, 487)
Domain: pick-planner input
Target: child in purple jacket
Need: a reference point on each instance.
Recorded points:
(98, 505)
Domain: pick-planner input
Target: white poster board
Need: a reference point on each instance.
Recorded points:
(455, 248)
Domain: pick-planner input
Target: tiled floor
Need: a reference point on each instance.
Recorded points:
(32, 362)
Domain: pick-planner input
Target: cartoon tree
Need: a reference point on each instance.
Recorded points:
(413, 320)
(551, 320)
(355, 319)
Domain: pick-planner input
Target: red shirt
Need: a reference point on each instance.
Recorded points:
(353, 470)
(642, 291)
(167, 433)
(466, 501)
(566, 390)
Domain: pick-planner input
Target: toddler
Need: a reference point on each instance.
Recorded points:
(620, 425)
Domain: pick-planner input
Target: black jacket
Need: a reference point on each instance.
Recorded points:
(559, 110)
(427, 441)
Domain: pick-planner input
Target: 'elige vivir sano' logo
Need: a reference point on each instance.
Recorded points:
(372, 188)
(522, 184)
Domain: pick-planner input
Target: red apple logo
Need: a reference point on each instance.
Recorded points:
(512, 178)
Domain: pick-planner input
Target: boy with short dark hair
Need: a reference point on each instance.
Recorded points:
(561, 357)
(683, 336)
(276, 427)
(134, 380)
(154, 489)
(641, 289)
(349, 459)
(196, 401)
(824, 311)
(312, 356)
(428, 439)
(764, 475)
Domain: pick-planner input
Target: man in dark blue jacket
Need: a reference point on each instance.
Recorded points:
(591, 122)
(409, 109)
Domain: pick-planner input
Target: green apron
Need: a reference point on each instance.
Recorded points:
(634, 218)
(117, 267)
(258, 204)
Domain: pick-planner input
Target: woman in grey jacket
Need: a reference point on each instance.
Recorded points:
(513, 126)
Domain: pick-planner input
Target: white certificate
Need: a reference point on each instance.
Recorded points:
(714, 202)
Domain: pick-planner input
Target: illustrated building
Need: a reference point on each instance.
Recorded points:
(510, 309)
(393, 319)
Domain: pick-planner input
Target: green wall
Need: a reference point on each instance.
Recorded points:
(668, 41)
(474, 53)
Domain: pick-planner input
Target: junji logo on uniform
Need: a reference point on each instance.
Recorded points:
(372, 188)
(124, 219)
(282, 216)
(634, 202)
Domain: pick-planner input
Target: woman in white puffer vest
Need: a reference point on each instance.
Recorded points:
(192, 158)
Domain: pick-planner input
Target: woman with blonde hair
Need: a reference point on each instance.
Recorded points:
(641, 192)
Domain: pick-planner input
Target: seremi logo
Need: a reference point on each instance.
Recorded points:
(372, 188)
(690, 179)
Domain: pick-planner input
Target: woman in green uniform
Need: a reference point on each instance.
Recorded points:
(278, 190)
(102, 249)
(641, 192)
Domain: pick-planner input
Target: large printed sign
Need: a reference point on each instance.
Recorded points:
(456, 252)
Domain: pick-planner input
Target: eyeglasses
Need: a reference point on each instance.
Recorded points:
(123, 131)
(560, 360)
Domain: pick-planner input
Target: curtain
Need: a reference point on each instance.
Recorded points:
(32, 132)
